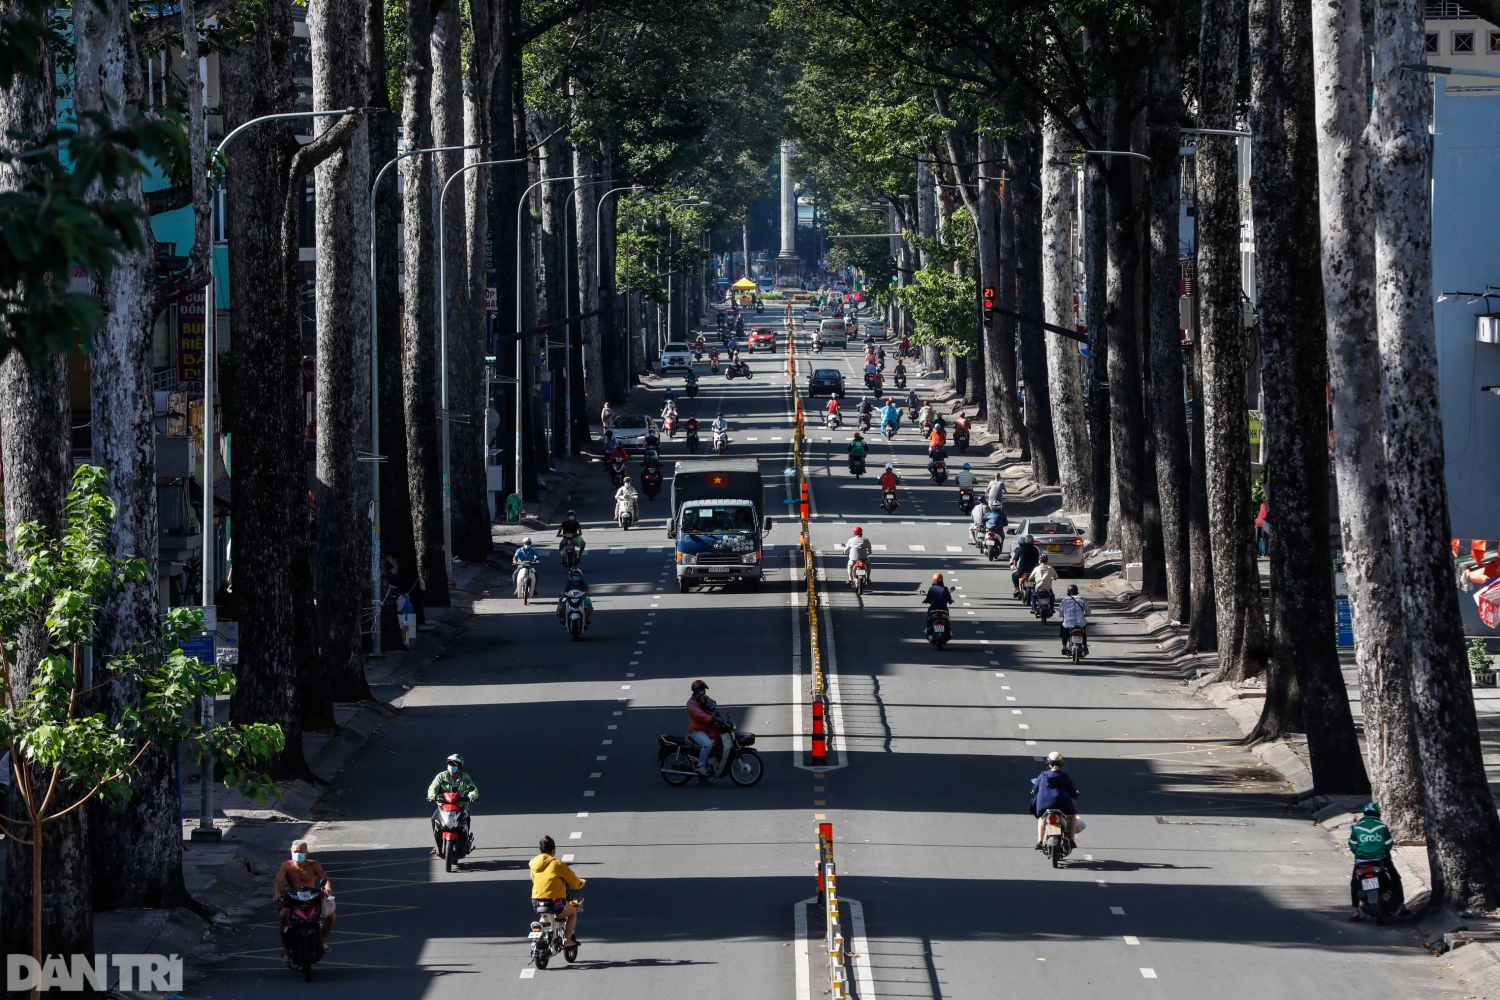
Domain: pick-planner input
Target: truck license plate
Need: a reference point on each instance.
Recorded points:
(1369, 883)
(721, 569)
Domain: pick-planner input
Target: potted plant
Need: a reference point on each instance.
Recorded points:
(1481, 667)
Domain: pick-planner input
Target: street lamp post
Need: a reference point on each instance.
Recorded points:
(607, 330)
(520, 376)
(443, 356)
(377, 598)
(206, 829)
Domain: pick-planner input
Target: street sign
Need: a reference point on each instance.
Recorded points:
(1343, 623)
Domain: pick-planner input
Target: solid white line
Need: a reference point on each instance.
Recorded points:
(801, 945)
(862, 974)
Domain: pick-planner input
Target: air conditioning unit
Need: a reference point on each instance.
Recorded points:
(1487, 328)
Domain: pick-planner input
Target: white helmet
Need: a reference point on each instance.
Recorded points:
(888, 467)
(526, 540)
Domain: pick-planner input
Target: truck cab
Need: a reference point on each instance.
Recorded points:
(719, 522)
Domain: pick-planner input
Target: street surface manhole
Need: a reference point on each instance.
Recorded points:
(1203, 821)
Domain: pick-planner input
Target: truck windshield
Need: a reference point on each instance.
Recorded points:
(718, 520)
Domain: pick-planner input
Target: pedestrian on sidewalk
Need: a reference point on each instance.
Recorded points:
(302, 872)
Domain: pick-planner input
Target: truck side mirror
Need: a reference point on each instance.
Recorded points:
(767, 528)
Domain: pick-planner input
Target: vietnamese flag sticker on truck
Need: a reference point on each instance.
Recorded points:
(718, 480)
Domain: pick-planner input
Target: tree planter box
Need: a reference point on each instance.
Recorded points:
(1484, 680)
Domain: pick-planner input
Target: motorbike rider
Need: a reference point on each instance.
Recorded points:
(900, 372)
(703, 723)
(713, 360)
(550, 881)
(880, 357)
(925, 413)
(452, 778)
(857, 548)
(1075, 614)
(865, 408)
(1054, 789)
(833, 405)
(960, 424)
(576, 580)
(994, 492)
(890, 416)
(720, 424)
(937, 439)
(889, 479)
(618, 456)
(570, 528)
(627, 494)
(690, 377)
(938, 597)
(652, 440)
(588, 604)
(669, 411)
(935, 457)
(1023, 559)
(857, 447)
(913, 401)
(650, 463)
(965, 478)
(302, 872)
(1370, 840)
(668, 398)
(690, 427)
(1042, 578)
(524, 554)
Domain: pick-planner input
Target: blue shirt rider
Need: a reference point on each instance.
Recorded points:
(890, 415)
(525, 555)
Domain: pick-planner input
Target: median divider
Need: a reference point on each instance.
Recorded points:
(820, 734)
(828, 897)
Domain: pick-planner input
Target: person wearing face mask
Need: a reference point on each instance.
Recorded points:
(452, 779)
(302, 872)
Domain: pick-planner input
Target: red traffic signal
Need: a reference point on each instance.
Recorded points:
(989, 304)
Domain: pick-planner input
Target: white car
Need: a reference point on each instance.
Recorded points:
(1060, 540)
(632, 428)
(875, 329)
(675, 357)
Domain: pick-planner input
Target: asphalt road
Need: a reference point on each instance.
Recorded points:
(1195, 874)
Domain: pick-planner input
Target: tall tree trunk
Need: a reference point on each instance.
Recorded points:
(1463, 831)
(467, 318)
(1348, 267)
(1095, 256)
(420, 371)
(1169, 423)
(35, 438)
(1122, 276)
(1069, 419)
(266, 408)
(1294, 367)
(1241, 622)
(397, 545)
(614, 347)
(588, 390)
(1203, 627)
(1022, 161)
(342, 235)
(1000, 341)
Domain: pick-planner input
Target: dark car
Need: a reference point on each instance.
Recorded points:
(825, 382)
(761, 336)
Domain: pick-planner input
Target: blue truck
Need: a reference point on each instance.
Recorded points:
(719, 522)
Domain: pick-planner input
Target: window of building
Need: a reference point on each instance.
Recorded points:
(1495, 41)
(1432, 44)
(1463, 42)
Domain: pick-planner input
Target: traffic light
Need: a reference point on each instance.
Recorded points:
(989, 304)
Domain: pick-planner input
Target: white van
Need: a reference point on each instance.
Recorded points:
(833, 333)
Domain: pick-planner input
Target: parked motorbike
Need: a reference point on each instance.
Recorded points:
(573, 613)
(1055, 841)
(526, 582)
(651, 483)
(303, 935)
(856, 465)
(1044, 606)
(939, 627)
(451, 822)
(548, 932)
(721, 442)
(1078, 644)
(1378, 896)
(626, 514)
(733, 754)
(888, 501)
(965, 499)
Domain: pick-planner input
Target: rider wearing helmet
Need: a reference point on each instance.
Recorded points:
(1023, 559)
(1054, 790)
(866, 408)
(965, 478)
(452, 778)
(888, 479)
(525, 554)
(937, 598)
(571, 529)
(857, 547)
(627, 494)
(703, 723)
(858, 447)
(1075, 614)
(1370, 840)
(890, 416)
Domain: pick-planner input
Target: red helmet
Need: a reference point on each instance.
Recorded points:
(859, 531)
(699, 686)
(937, 578)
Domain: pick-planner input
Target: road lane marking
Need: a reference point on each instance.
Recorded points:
(528, 972)
(1021, 725)
(608, 742)
(624, 687)
(1132, 939)
(607, 728)
(601, 757)
(576, 835)
(917, 548)
(1118, 911)
(999, 674)
(1015, 711)
(656, 548)
(1148, 973)
(879, 548)
(955, 548)
(589, 794)
(567, 858)
(617, 713)
(1030, 743)
(1009, 697)
(596, 774)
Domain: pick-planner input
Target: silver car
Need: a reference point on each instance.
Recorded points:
(631, 429)
(1060, 540)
